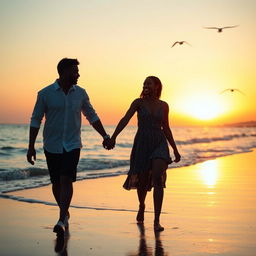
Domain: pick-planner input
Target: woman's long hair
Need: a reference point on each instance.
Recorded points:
(157, 84)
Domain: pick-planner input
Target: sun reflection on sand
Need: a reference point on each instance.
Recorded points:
(209, 173)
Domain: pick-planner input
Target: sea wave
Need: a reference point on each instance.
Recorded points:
(213, 139)
(99, 164)
(195, 145)
(200, 140)
(190, 141)
(124, 145)
(7, 148)
(23, 179)
(84, 165)
(19, 174)
(19, 179)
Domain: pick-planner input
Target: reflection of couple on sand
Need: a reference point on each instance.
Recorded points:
(146, 250)
(62, 103)
(61, 244)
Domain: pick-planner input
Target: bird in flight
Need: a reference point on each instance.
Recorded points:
(221, 28)
(232, 90)
(180, 42)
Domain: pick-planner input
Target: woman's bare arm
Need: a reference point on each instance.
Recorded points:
(125, 120)
(168, 133)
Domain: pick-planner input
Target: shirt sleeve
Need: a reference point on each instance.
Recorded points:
(88, 110)
(38, 112)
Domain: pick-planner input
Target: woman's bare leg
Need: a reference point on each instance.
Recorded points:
(159, 166)
(142, 193)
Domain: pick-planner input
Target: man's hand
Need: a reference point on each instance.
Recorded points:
(108, 143)
(31, 154)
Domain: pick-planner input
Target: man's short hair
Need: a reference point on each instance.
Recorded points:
(65, 64)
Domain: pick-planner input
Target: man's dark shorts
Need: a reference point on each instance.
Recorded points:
(64, 164)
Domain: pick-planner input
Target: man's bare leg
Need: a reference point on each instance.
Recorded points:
(66, 193)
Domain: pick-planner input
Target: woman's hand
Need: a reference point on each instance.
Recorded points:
(109, 143)
(177, 156)
(112, 142)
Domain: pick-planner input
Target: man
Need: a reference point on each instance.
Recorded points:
(62, 103)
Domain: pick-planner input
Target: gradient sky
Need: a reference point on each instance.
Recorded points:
(120, 43)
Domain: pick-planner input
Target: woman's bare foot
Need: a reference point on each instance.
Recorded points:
(158, 227)
(140, 215)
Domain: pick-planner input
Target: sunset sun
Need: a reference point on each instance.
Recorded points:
(203, 106)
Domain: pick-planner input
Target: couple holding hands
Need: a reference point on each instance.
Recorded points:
(62, 103)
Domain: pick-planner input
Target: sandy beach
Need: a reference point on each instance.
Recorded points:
(209, 209)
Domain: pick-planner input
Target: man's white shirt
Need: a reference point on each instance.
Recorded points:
(62, 113)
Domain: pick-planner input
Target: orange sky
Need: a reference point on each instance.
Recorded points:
(119, 43)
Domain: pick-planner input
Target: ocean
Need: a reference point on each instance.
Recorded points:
(195, 145)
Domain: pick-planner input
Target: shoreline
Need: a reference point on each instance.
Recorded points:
(108, 174)
(209, 209)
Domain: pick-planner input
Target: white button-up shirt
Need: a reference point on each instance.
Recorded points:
(62, 113)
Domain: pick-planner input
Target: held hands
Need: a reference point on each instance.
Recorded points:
(109, 143)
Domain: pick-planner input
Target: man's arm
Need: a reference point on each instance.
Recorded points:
(94, 120)
(36, 119)
(91, 116)
(97, 125)
(31, 153)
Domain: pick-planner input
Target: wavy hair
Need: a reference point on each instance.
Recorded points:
(157, 83)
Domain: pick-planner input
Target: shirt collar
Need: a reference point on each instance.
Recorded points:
(56, 86)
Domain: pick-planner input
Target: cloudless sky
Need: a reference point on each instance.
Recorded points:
(120, 43)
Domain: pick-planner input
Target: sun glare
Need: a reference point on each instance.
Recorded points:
(209, 172)
(203, 106)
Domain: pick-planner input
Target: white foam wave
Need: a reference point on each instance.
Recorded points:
(214, 139)
(36, 201)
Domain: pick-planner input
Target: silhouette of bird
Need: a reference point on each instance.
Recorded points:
(219, 30)
(232, 90)
(180, 42)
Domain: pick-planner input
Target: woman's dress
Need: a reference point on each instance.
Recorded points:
(149, 143)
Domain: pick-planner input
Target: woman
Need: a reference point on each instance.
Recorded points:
(150, 153)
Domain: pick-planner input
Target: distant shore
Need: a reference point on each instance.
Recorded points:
(242, 124)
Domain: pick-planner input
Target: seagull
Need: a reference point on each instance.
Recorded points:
(220, 29)
(180, 42)
(232, 90)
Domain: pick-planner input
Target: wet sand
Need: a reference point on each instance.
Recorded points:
(209, 209)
